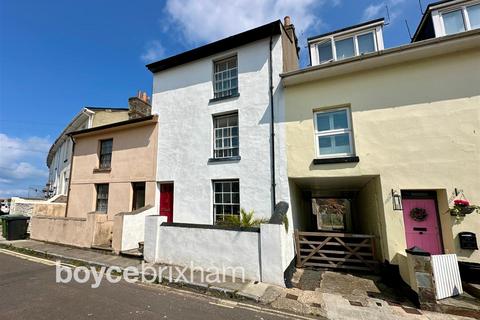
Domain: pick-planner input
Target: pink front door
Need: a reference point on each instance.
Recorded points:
(424, 234)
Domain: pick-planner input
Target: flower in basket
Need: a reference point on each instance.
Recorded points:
(461, 203)
(462, 207)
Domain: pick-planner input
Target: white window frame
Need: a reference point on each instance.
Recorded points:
(332, 45)
(214, 82)
(377, 40)
(356, 51)
(231, 203)
(214, 137)
(437, 16)
(348, 130)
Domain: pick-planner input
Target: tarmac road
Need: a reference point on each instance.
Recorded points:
(28, 290)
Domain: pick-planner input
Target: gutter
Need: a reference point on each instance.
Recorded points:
(70, 174)
(272, 124)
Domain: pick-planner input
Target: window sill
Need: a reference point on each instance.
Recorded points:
(102, 170)
(224, 98)
(336, 160)
(221, 160)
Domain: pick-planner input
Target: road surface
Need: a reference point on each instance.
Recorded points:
(28, 291)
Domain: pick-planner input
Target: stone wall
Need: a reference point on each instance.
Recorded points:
(32, 207)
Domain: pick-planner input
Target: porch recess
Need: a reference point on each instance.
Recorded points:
(335, 250)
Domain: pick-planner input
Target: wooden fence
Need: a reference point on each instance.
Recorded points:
(335, 250)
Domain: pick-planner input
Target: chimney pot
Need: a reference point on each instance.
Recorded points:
(287, 21)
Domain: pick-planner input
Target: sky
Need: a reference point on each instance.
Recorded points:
(58, 56)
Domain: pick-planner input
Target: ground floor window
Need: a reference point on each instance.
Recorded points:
(332, 214)
(138, 195)
(226, 199)
(102, 197)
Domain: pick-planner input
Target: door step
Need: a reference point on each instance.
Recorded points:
(103, 248)
(133, 253)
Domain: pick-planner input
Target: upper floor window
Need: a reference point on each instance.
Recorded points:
(102, 197)
(226, 142)
(339, 49)
(347, 43)
(461, 19)
(333, 133)
(106, 153)
(225, 78)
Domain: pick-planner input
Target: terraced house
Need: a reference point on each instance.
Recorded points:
(347, 163)
(221, 148)
(382, 142)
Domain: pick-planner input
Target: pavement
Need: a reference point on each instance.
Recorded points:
(324, 294)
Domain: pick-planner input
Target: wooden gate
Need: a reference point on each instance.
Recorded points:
(335, 250)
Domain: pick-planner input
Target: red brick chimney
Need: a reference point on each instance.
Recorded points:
(139, 106)
(290, 46)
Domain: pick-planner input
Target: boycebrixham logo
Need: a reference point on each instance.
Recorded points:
(147, 274)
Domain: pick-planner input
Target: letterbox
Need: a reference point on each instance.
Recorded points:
(468, 240)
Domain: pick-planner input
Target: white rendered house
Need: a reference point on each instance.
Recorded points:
(221, 148)
(214, 105)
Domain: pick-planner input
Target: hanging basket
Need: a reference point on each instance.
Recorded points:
(418, 214)
(462, 210)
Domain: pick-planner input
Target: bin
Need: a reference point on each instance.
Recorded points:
(15, 227)
(4, 227)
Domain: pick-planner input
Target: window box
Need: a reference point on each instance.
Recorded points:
(102, 170)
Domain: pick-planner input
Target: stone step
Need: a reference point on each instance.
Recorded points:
(104, 248)
(133, 253)
(472, 288)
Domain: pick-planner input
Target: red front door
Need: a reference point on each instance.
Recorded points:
(422, 230)
(166, 201)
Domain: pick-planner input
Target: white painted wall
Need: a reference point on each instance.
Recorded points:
(255, 255)
(181, 99)
(211, 248)
(133, 229)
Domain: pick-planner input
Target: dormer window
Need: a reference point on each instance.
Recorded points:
(461, 19)
(448, 18)
(347, 43)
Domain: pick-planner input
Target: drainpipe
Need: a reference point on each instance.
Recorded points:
(70, 174)
(272, 124)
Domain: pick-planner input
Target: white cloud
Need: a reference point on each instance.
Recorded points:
(18, 155)
(209, 20)
(379, 9)
(153, 51)
(373, 11)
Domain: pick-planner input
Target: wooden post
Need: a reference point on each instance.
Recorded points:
(297, 248)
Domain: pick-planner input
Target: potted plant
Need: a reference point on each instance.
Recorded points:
(462, 207)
